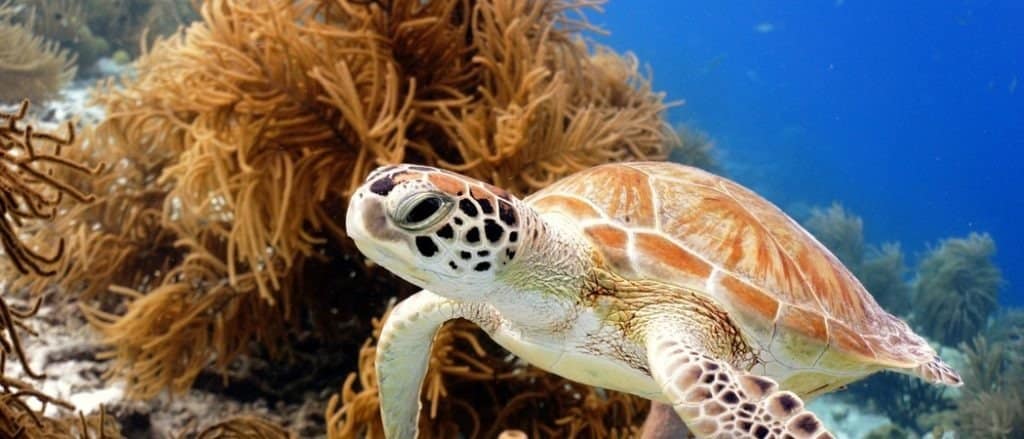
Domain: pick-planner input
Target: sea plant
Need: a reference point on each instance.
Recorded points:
(29, 195)
(903, 399)
(1008, 328)
(990, 405)
(840, 231)
(956, 288)
(992, 415)
(244, 426)
(31, 67)
(696, 148)
(96, 28)
(883, 275)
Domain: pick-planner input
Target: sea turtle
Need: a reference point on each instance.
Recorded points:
(655, 279)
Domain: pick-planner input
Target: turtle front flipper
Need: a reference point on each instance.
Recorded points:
(716, 400)
(403, 353)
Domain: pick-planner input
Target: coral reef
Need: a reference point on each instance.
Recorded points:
(217, 231)
(29, 193)
(31, 67)
(956, 289)
(990, 404)
(841, 231)
(992, 415)
(906, 401)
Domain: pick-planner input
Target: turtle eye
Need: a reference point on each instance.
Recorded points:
(421, 210)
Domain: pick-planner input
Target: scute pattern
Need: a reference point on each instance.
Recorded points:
(624, 196)
(682, 223)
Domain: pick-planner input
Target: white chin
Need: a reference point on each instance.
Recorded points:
(386, 258)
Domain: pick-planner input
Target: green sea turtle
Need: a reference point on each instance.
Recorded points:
(655, 279)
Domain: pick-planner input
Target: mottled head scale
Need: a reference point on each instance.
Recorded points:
(434, 228)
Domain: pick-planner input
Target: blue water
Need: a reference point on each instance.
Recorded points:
(909, 113)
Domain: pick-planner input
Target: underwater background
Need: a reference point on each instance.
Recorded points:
(175, 260)
(909, 113)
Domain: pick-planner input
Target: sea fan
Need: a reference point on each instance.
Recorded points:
(957, 287)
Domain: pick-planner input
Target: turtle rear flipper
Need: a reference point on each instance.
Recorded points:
(936, 372)
(716, 400)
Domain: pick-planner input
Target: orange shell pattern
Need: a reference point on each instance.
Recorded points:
(687, 227)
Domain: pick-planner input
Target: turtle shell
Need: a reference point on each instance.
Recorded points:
(687, 227)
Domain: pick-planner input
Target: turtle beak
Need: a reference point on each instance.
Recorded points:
(367, 223)
(354, 226)
(366, 220)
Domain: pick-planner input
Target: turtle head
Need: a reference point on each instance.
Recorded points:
(442, 231)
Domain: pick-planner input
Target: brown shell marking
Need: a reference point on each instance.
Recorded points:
(624, 196)
(571, 206)
(614, 245)
(753, 302)
(682, 222)
(669, 257)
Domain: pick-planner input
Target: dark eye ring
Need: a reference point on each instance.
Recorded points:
(422, 210)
